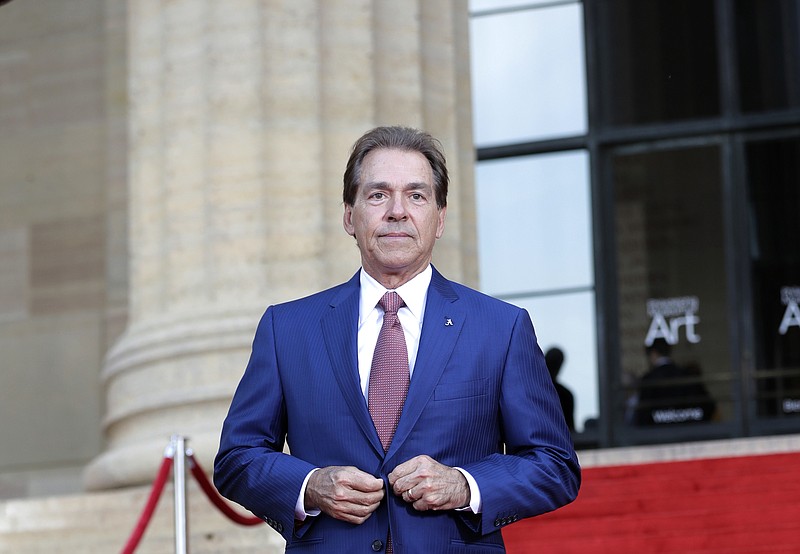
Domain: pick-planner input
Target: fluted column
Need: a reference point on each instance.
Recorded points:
(240, 120)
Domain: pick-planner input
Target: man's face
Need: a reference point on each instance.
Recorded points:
(394, 218)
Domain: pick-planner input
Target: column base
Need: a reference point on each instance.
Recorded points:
(170, 377)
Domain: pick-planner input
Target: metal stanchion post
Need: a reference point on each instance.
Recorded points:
(179, 472)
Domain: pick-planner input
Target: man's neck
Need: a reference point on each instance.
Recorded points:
(393, 281)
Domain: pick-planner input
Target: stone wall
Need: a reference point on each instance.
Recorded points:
(62, 229)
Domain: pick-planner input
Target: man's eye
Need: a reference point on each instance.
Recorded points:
(417, 196)
(377, 195)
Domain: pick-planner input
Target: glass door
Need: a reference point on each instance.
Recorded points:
(674, 376)
(773, 185)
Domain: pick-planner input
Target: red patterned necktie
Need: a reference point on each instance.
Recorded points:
(388, 378)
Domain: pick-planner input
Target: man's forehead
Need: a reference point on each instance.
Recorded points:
(390, 166)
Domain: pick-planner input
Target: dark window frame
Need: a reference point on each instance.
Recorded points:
(731, 130)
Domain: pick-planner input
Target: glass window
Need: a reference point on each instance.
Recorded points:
(567, 322)
(769, 54)
(535, 250)
(528, 75)
(658, 60)
(534, 223)
(772, 177)
(674, 331)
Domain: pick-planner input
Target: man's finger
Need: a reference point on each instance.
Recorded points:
(402, 470)
(366, 483)
(409, 467)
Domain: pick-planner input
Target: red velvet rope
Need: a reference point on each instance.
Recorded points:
(147, 513)
(216, 499)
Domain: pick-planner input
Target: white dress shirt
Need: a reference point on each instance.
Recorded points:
(370, 319)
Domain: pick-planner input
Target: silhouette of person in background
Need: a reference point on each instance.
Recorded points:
(554, 358)
(669, 393)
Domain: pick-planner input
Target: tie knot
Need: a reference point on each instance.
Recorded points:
(391, 302)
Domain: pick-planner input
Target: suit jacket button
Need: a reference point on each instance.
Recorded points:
(497, 522)
(279, 527)
(377, 545)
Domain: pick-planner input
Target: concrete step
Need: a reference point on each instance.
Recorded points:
(100, 523)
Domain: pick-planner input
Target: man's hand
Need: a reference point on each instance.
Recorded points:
(428, 485)
(343, 492)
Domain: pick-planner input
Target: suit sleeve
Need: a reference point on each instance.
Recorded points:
(250, 467)
(539, 471)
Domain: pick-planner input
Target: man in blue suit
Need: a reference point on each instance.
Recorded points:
(481, 440)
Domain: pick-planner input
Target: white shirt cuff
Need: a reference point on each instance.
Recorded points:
(299, 507)
(474, 493)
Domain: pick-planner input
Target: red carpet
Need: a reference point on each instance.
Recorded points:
(736, 505)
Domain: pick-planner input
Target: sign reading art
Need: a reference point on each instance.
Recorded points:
(790, 297)
(669, 315)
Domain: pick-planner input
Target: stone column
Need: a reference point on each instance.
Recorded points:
(241, 117)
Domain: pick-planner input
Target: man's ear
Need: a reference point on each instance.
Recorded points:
(347, 220)
(440, 223)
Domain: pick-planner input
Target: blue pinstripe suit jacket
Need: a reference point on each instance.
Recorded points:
(481, 398)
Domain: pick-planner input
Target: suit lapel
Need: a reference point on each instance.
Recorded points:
(444, 318)
(339, 330)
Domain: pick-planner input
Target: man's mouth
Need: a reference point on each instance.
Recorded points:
(395, 235)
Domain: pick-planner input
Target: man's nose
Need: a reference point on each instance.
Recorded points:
(396, 208)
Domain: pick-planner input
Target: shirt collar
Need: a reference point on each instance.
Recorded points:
(413, 293)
